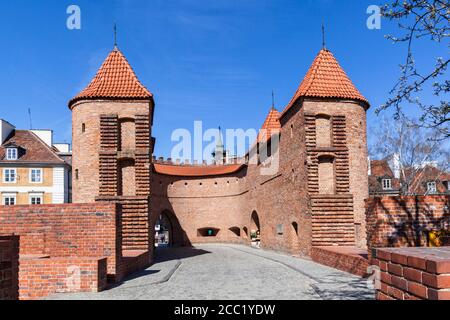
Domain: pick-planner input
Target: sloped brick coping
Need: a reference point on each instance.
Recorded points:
(349, 259)
(413, 273)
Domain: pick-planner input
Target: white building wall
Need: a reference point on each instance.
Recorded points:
(60, 190)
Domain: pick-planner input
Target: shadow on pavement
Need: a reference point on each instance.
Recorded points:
(168, 254)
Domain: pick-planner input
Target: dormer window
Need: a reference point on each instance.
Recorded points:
(386, 184)
(431, 187)
(11, 153)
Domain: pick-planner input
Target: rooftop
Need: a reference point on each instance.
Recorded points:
(326, 79)
(34, 149)
(114, 80)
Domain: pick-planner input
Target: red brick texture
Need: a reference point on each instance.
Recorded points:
(351, 260)
(40, 277)
(70, 230)
(413, 273)
(405, 221)
(9, 267)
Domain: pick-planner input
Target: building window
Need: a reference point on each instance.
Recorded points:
(36, 175)
(387, 184)
(9, 175)
(11, 154)
(36, 199)
(431, 187)
(9, 200)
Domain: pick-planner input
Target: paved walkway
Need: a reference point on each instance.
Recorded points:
(222, 272)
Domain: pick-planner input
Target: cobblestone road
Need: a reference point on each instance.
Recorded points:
(216, 272)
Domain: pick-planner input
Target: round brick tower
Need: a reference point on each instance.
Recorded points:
(111, 134)
(333, 113)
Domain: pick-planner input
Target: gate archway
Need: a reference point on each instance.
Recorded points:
(255, 229)
(168, 232)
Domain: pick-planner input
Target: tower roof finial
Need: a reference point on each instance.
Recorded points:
(273, 100)
(323, 36)
(115, 35)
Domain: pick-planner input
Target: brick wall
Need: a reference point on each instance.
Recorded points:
(405, 221)
(80, 230)
(351, 260)
(413, 273)
(40, 277)
(9, 267)
(292, 213)
(136, 229)
(96, 150)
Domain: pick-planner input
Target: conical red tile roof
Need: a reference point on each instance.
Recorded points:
(326, 79)
(114, 80)
(271, 126)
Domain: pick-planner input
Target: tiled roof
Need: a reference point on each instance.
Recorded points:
(326, 79)
(196, 171)
(271, 126)
(32, 149)
(114, 80)
(380, 168)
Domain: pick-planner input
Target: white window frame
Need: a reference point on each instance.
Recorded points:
(9, 175)
(12, 154)
(386, 184)
(39, 196)
(432, 189)
(40, 175)
(9, 196)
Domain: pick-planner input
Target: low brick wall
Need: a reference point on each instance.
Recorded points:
(68, 230)
(413, 273)
(9, 267)
(348, 259)
(135, 260)
(405, 221)
(41, 277)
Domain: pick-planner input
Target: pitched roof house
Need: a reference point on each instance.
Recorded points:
(32, 169)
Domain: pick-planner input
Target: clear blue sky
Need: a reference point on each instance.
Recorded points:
(215, 61)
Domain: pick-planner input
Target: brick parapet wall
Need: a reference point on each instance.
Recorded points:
(9, 267)
(41, 277)
(69, 230)
(413, 273)
(405, 221)
(342, 258)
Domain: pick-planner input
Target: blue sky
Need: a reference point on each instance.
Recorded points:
(215, 61)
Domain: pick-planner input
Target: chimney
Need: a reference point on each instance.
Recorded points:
(45, 135)
(5, 130)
